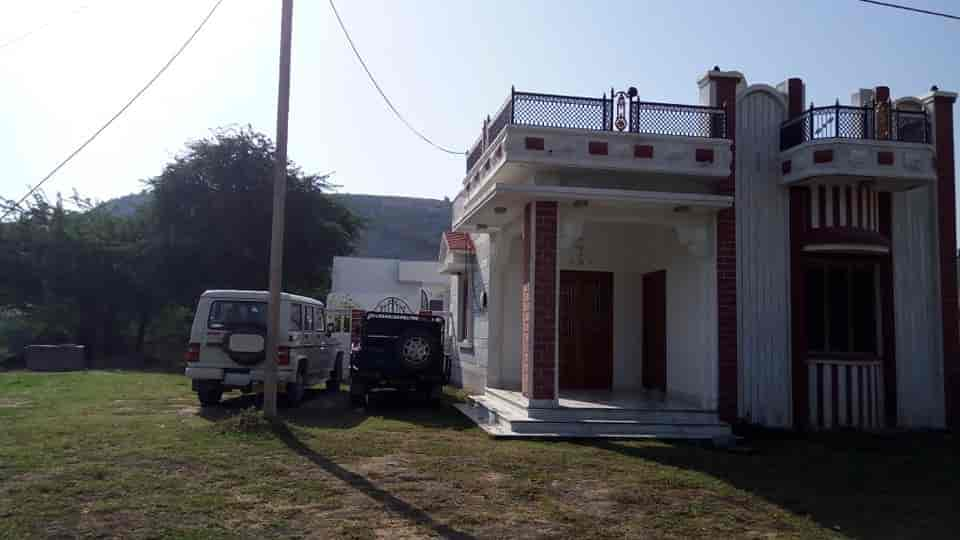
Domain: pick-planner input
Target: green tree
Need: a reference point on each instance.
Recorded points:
(211, 215)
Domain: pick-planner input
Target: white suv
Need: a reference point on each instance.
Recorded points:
(227, 342)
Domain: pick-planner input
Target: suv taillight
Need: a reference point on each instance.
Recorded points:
(193, 353)
(283, 356)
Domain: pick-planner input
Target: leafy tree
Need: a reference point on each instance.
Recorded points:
(212, 211)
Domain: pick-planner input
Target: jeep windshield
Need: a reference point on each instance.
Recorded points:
(225, 314)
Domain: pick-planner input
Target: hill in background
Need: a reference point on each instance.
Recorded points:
(396, 227)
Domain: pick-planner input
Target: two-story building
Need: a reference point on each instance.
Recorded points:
(657, 269)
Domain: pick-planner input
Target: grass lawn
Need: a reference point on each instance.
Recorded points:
(124, 454)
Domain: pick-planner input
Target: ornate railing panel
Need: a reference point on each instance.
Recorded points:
(845, 122)
(672, 119)
(597, 114)
(544, 110)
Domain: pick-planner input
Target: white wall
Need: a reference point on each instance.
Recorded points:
(917, 314)
(470, 359)
(692, 330)
(763, 262)
(368, 280)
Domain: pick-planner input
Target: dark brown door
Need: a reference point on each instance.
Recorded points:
(586, 330)
(655, 330)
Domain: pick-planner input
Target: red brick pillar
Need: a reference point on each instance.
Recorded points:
(723, 93)
(942, 113)
(539, 304)
(799, 210)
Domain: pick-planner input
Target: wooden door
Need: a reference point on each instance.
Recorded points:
(586, 330)
(655, 330)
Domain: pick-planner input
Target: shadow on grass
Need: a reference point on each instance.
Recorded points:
(867, 486)
(368, 488)
(324, 409)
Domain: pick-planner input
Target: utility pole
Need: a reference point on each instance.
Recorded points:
(279, 203)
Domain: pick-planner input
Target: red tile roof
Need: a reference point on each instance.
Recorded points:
(458, 241)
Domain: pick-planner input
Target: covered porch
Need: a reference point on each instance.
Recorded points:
(602, 316)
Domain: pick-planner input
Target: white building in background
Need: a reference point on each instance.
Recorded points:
(365, 283)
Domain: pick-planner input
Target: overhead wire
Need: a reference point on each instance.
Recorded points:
(119, 113)
(383, 94)
(20, 37)
(911, 8)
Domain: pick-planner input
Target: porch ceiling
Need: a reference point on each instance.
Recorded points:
(504, 203)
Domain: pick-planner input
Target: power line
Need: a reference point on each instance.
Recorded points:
(380, 90)
(43, 26)
(913, 9)
(120, 112)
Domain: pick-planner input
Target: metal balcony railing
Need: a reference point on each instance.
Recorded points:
(620, 112)
(845, 122)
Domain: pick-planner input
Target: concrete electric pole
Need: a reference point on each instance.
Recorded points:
(279, 203)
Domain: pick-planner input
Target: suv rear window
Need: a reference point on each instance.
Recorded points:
(224, 314)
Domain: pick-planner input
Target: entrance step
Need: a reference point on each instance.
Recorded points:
(506, 418)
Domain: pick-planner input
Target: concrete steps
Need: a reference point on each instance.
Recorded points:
(501, 416)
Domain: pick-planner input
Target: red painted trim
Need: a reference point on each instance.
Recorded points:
(844, 235)
(726, 268)
(822, 156)
(704, 155)
(795, 97)
(643, 151)
(835, 394)
(822, 203)
(849, 387)
(597, 148)
(786, 166)
(799, 210)
(862, 400)
(884, 158)
(861, 221)
(835, 193)
(946, 217)
(848, 194)
(533, 143)
(820, 419)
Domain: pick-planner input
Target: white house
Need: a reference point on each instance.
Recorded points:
(365, 283)
(655, 269)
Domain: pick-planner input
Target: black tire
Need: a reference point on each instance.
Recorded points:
(295, 391)
(336, 376)
(358, 396)
(210, 394)
(416, 349)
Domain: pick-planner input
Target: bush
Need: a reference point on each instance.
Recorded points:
(246, 422)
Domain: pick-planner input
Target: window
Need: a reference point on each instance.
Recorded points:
(321, 320)
(296, 318)
(465, 314)
(224, 314)
(436, 305)
(842, 308)
(308, 323)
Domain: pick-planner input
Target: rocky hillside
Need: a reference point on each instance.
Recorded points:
(396, 227)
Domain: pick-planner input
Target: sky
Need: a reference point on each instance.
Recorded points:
(445, 64)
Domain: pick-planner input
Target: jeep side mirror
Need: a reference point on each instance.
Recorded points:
(329, 329)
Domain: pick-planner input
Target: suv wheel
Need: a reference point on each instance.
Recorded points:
(336, 376)
(295, 390)
(209, 394)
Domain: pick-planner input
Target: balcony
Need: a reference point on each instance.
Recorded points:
(891, 147)
(615, 142)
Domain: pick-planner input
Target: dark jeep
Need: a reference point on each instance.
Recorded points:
(402, 351)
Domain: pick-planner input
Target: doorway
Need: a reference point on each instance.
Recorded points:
(655, 330)
(586, 330)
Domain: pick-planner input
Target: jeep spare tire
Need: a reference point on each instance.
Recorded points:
(245, 345)
(416, 349)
